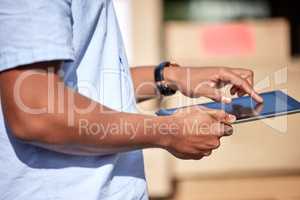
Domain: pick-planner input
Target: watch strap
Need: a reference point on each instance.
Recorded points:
(160, 80)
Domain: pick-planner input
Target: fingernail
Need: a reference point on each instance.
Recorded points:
(231, 118)
(260, 99)
(212, 84)
(226, 100)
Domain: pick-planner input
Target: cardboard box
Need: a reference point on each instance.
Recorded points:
(232, 43)
(255, 188)
(268, 54)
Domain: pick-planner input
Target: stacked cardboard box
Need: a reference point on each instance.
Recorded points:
(254, 150)
(263, 150)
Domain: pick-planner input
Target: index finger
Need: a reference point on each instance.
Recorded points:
(240, 83)
(245, 74)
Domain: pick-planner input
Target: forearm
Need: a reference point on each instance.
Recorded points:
(144, 81)
(99, 131)
(68, 126)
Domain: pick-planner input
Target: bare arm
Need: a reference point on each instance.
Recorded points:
(196, 82)
(41, 110)
(144, 83)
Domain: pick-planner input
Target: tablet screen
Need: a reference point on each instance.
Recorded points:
(245, 107)
(275, 103)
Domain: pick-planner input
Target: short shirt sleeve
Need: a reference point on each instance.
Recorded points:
(34, 31)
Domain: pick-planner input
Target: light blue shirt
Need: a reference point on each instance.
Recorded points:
(85, 34)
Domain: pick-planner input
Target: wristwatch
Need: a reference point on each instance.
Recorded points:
(161, 84)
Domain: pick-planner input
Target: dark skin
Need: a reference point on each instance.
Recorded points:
(51, 127)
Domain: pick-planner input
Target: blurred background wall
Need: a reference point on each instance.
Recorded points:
(262, 160)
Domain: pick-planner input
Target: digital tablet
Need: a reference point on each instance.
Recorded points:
(245, 109)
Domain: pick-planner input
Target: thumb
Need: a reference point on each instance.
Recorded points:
(222, 116)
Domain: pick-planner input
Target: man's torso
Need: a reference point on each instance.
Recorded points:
(99, 71)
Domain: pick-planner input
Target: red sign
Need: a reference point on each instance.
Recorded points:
(228, 40)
